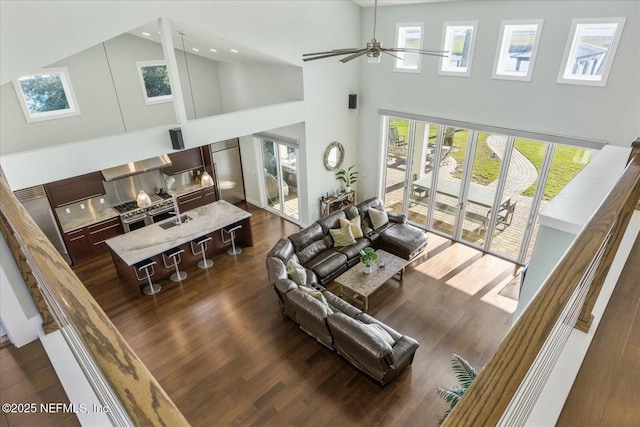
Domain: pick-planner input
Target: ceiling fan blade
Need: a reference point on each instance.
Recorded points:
(391, 54)
(354, 56)
(419, 51)
(328, 55)
(346, 50)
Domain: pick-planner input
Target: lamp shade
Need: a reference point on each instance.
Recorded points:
(143, 199)
(206, 180)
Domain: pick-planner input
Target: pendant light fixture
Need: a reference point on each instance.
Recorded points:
(206, 180)
(143, 200)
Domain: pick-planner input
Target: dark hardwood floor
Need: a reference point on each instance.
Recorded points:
(220, 347)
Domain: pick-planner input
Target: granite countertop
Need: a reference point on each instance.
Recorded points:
(75, 221)
(152, 240)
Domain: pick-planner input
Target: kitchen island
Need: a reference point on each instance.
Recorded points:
(151, 241)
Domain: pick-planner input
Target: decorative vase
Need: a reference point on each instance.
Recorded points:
(368, 269)
(347, 189)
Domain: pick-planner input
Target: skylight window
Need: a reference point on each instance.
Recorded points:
(590, 51)
(154, 78)
(458, 39)
(46, 95)
(408, 36)
(517, 49)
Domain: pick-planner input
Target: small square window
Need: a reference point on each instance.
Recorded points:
(46, 95)
(154, 78)
(408, 36)
(590, 51)
(458, 39)
(517, 49)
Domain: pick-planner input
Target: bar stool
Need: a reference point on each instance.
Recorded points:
(233, 250)
(202, 243)
(175, 254)
(147, 266)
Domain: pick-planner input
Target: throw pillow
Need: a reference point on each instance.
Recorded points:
(354, 224)
(378, 217)
(342, 236)
(380, 332)
(297, 272)
(316, 294)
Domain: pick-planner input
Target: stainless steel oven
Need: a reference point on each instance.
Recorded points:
(161, 212)
(133, 221)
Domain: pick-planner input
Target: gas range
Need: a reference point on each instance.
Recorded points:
(161, 207)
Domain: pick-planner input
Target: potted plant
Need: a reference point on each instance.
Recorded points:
(465, 374)
(367, 257)
(348, 176)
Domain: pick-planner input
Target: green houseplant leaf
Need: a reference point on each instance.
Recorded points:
(348, 176)
(465, 373)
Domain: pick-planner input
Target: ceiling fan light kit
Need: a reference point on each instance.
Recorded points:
(373, 50)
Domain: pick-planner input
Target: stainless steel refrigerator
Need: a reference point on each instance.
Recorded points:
(227, 165)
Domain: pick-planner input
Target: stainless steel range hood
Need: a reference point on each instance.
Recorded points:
(135, 168)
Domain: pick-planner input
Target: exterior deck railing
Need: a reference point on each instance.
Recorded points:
(120, 380)
(507, 387)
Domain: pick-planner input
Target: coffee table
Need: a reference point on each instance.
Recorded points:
(357, 286)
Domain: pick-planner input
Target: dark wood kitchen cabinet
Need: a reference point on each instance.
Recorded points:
(189, 201)
(74, 189)
(209, 195)
(88, 241)
(183, 161)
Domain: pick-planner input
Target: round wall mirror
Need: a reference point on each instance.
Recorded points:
(333, 156)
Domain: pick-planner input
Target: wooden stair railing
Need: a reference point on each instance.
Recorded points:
(506, 389)
(117, 375)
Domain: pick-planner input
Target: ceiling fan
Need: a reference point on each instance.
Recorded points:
(373, 50)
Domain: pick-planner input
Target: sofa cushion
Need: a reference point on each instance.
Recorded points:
(342, 236)
(297, 272)
(379, 331)
(379, 218)
(327, 263)
(331, 221)
(352, 252)
(305, 237)
(355, 224)
(403, 240)
(315, 294)
(283, 250)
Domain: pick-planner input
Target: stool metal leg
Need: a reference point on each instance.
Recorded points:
(205, 263)
(233, 250)
(152, 288)
(178, 275)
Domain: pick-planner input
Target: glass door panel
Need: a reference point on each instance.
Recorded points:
(511, 229)
(485, 173)
(447, 161)
(281, 178)
(424, 141)
(396, 164)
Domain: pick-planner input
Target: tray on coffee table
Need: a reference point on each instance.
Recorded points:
(356, 285)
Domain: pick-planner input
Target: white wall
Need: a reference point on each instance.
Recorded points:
(282, 29)
(608, 113)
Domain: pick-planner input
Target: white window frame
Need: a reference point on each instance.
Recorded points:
(69, 93)
(398, 64)
(446, 46)
(154, 99)
(569, 52)
(504, 43)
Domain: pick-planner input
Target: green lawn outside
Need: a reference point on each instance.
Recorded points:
(567, 161)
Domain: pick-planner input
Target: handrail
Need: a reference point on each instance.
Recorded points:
(504, 391)
(88, 331)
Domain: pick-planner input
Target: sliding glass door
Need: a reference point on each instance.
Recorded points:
(478, 187)
(280, 177)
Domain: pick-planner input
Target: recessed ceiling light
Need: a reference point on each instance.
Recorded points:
(195, 49)
(212, 50)
(146, 34)
(233, 50)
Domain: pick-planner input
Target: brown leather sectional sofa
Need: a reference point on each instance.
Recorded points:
(367, 343)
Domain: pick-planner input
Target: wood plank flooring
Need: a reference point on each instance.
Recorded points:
(606, 391)
(224, 353)
(27, 377)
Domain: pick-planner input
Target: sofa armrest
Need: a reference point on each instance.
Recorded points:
(340, 305)
(303, 302)
(365, 318)
(276, 269)
(285, 285)
(397, 217)
(404, 349)
(353, 334)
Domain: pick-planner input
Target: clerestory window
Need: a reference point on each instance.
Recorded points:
(516, 53)
(46, 95)
(154, 78)
(590, 51)
(408, 36)
(458, 40)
